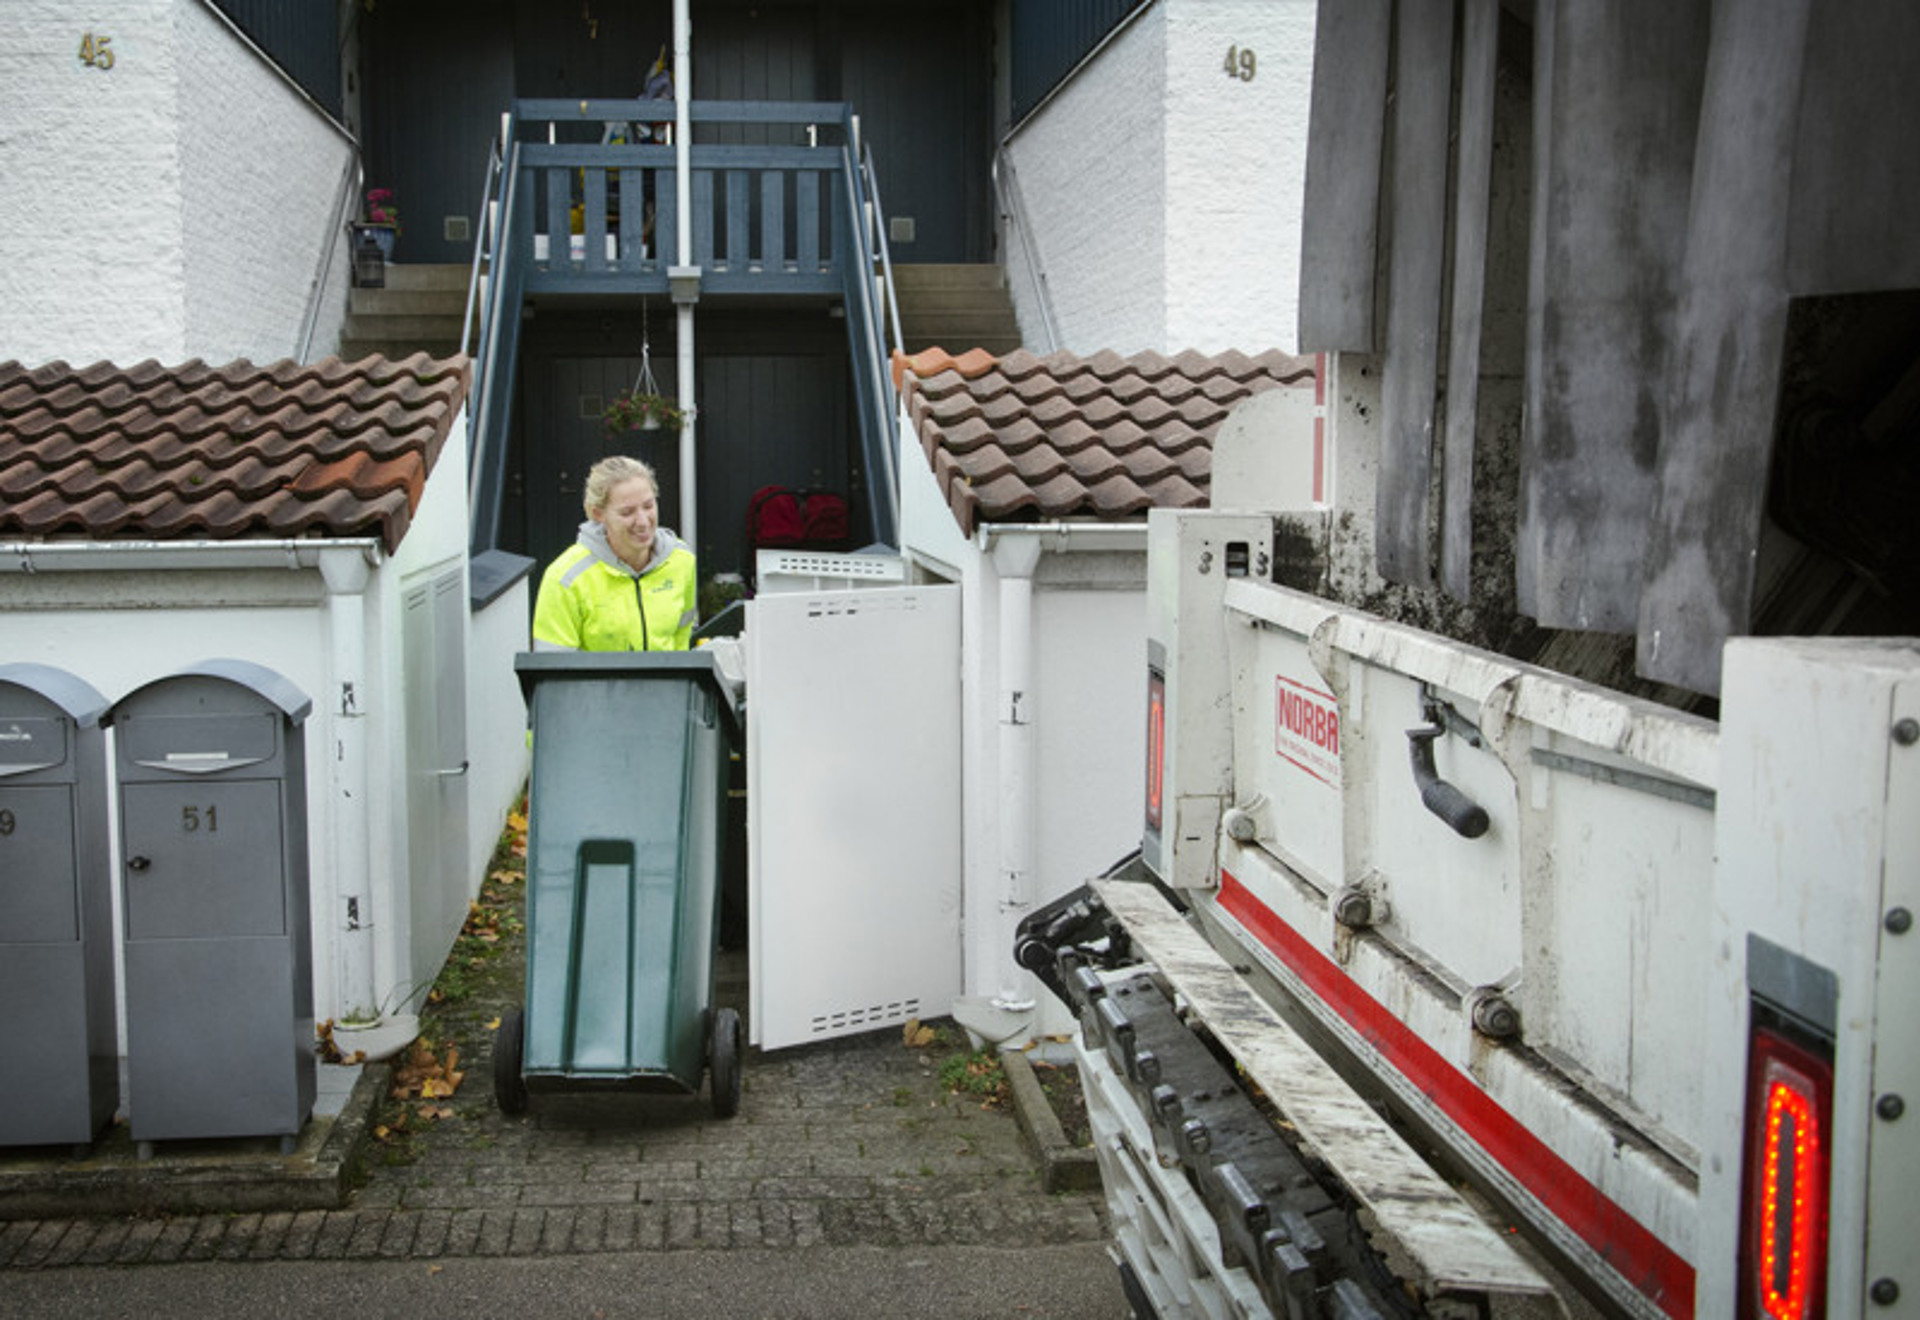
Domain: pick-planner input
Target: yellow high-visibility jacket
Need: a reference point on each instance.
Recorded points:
(590, 600)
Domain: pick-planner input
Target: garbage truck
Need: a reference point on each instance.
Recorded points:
(1530, 837)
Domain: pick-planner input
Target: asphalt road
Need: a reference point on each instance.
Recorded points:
(1074, 1281)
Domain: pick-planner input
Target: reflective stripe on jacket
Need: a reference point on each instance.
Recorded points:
(592, 601)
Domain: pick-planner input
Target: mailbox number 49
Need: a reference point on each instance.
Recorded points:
(6, 821)
(193, 820)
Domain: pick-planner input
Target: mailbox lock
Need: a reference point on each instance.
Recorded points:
(138, 863)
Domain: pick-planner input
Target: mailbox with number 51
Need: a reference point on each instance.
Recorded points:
(219, 959)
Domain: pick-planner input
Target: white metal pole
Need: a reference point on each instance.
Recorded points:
(683, 212)
(346, 574)
(1015, 558)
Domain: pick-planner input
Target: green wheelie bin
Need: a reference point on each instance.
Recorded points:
(625, 819)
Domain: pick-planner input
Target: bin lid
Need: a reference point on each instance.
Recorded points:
(270, 685)
(537, 667)
(71, 693)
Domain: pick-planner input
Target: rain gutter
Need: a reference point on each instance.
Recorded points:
(81, 556)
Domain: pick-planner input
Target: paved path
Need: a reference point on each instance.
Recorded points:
(844, 1145)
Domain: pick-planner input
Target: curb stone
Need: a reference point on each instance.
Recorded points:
(1064, 1167)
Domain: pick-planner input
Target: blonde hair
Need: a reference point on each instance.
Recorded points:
(608, 473)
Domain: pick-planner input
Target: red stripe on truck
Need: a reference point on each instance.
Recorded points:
(1626, 1245)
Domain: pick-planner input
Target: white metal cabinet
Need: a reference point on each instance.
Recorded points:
(854, 853)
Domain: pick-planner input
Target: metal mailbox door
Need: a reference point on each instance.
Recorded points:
(56, 919)
(212, 768)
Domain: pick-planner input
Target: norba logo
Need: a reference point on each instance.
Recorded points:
(1306, 729)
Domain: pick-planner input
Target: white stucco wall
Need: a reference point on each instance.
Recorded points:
(175, 205)
(1090, 168)
(1162, 195)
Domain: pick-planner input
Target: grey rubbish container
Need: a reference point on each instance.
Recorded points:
(219, 958)
(56, 912)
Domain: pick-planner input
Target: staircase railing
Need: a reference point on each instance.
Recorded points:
(869, 297)
(1006, 186)
(499, 285)
(768, 218)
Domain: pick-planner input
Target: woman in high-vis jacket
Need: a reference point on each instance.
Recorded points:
(628, 584)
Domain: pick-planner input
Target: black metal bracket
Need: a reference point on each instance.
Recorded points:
(1462, 814)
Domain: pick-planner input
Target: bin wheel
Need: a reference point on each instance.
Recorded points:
(509, 1087)
(723, 1062)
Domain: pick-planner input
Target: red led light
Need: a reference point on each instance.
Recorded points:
(1785, 1256)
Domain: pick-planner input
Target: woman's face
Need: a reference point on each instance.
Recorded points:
(631, 514)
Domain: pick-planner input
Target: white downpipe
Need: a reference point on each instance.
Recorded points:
(683, 214)
(350, 876)
(1015, 558)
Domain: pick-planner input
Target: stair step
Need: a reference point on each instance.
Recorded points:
(408, 302)
(402, 327)
(979, 323)
(917, 277)
(352, 349)
(420, 277)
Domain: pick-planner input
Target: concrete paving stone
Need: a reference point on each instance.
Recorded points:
(396, 1243)
(238, 1241)
(683, 1225)
(364, 1238)
(302, 1234)
(577, 1193)
(384, 1196)
(611, 1171)
(336, 1230)
(172, 1241)
(556, 1230)
(746, 1228)
(525, 1228)
(72, 1243)
(272, 1235)
(809, 1229)
(589, 1228)
(42, 1238)
(208, 1230)
(672, 1189)
(430, 1234)
(619, 1227)
(811, 1188)
(14, 1236)
(715, 1226)
(141, 1234)
(747, 1171)
(464, 1229)
(650, 1227)
(776, 1223)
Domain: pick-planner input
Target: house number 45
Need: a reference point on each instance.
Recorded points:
(95, 52)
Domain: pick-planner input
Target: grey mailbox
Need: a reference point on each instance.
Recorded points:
(56, 912)
(219, 958)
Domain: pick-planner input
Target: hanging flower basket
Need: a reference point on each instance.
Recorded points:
(637, 410)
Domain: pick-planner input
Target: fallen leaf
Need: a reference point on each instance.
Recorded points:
(494, 1025)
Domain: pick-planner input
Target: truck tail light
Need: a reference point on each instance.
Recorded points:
(1783, 1248)
(1156, 747)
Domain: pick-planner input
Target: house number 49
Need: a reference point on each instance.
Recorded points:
(1240, 63)
(95, 52)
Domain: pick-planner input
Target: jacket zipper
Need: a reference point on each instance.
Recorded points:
(640, 599)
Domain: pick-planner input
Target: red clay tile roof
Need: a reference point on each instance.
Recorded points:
(1024, 438)
(326, 449)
